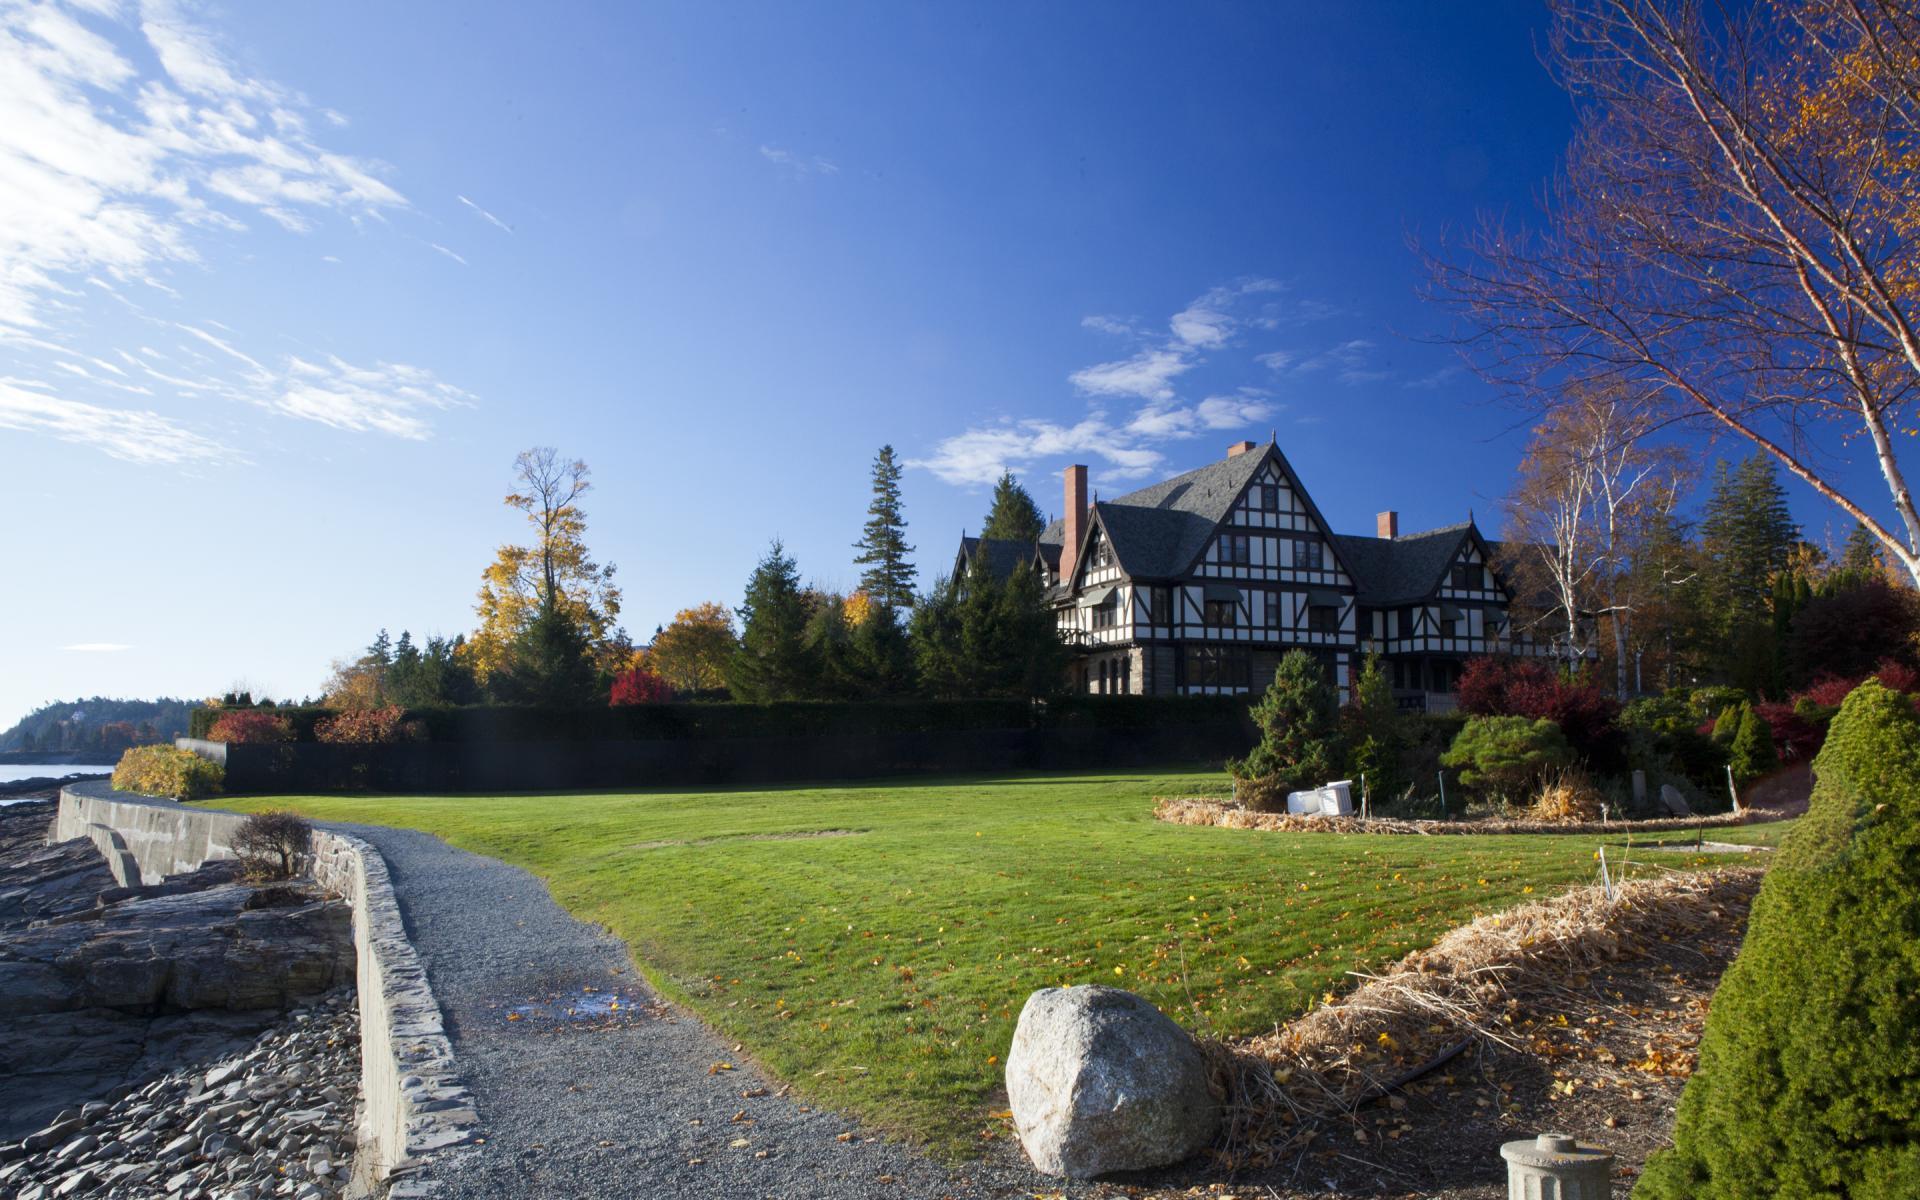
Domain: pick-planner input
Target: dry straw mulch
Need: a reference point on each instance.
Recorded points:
(1195, 810)
(1506, 980)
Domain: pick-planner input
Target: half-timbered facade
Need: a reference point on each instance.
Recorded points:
(1199, 584)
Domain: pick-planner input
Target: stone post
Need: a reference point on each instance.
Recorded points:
(1554, 1167)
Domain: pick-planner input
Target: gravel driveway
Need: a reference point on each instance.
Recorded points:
(615, 1098)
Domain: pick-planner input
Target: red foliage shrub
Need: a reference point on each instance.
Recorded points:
(1797, 733)
(250, 727)
(640, 687)
(366, 726)
(1828, 691)
(1521, 687)
(1898, 676)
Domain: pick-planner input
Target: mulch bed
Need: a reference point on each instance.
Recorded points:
(1191, 810)
(1579, 1017)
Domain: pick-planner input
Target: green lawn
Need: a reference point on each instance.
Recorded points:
(880, 970)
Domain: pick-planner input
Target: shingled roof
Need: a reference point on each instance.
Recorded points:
(1399, 570)
(1001, 556)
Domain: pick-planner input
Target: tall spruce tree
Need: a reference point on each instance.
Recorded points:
(1747, 538)
(1014, 517)
(976, 636)
(888, 576)
(772, 661)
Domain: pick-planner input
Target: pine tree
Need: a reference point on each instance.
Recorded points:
(1371, 725)
(888, 577)
(1298, 735)
(1748, 537)
(977, 636)
(882, 657)
(1013, 517)
(549, 664)
(772, 662)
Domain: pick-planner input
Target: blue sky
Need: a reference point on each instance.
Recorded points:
(284, 288)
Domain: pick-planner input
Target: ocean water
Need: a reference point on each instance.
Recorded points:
(11, 772)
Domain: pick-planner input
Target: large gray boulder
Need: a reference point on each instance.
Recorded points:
(1100, 1080)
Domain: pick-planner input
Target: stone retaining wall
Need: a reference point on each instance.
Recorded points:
(414, 1102)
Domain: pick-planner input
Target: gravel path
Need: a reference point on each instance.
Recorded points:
(618, 1103)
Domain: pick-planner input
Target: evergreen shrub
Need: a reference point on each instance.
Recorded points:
(1507, 758)
(1752, 754)
(1809, 1076)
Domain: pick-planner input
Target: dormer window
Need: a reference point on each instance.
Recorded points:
(1469, 577)
(1265, 497)
(1100, 553)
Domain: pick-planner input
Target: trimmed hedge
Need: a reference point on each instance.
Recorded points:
(165, 771)
(1809, 1075)
(699, 722)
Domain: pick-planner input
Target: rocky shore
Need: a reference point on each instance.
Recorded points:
(276, 1120)
(192, 1038)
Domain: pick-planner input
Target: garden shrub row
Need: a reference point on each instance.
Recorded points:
(676, 722)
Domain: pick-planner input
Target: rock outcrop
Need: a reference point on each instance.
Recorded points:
(275, 1119)
(103, 987)
(1101, 1081)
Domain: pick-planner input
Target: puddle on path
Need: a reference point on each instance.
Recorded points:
(586, 1007)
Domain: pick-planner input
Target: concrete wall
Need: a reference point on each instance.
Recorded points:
(413, 1102)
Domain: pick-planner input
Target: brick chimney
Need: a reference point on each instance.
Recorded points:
(1075, 516)
(1239, 448)
(1387, 525)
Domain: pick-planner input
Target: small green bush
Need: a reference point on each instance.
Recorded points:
(1726, 726)
(1809, 1076)
(165, 771)
(1507, 758)
(1752, 754)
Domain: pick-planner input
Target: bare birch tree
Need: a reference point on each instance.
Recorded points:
(1575, 512)
(1735, 234)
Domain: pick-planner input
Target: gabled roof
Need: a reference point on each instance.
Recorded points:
(1158, 531)
(1402, 569)
(1002, 557)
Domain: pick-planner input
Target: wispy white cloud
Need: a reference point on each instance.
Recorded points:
(490, 219)
(136, 436)
(1434, 379)
(450, 254)
(1352, 363)
(1148, 375)
(388, 398)
(97, 647)
(1130, 444)
(799, 165)
(127, 132)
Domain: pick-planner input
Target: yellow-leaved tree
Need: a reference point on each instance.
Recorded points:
(692, 653)
(555, 571)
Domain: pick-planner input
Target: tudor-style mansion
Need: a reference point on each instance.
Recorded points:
(1199, 584)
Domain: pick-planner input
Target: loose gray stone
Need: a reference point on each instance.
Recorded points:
(1101, 1081)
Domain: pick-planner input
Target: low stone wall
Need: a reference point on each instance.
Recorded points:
(414, 1103)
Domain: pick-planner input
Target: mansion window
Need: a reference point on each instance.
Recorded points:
(1265, 497)
(1235, 549)
(1309, 556)
(1276, 604)
(1451, 622)
(1218, 666)
(1223, 614)
(1323, 618)
(1160, 606)
(1102, 552)
(1106, 614)
(1469, 577)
